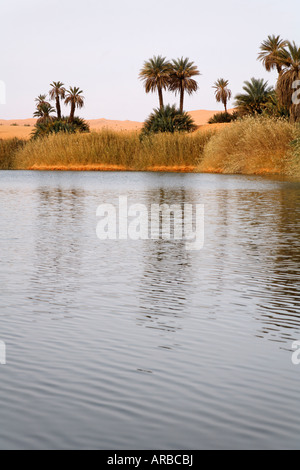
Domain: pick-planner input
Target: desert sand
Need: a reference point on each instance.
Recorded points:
(22, 128)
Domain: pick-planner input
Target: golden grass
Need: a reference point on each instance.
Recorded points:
(255, 146)
(108, 149)
(295, 155)
(8, 150)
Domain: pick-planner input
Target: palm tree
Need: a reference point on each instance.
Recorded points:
(156, 76)
(43, 112)
(289, 59)
(74, 98)
(222, 93)
(56, 93)
(270, 49)
(257, 93)
(40, 99)
(181, 80)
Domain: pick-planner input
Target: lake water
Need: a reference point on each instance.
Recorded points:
(143, 344)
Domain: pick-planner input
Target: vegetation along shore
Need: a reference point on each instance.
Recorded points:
(260, 136)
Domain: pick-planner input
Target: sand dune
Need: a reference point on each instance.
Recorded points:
(22, 128)
(202, 116)
(19, 122)
(98, 124)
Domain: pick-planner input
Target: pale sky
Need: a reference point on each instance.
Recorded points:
(100, 46)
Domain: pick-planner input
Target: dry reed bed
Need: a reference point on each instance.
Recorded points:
(257, 145)
(252, 146)
(108, 148)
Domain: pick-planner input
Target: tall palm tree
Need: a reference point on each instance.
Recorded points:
(156, 76)
(43, 112)
(257, 93)
(75, 99)
(56, 93)
(181, 80)
(270, 49)
(222, 92)
(289, 59)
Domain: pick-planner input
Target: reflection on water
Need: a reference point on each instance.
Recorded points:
(57, 251)
(273, 223)
(123, 344)
(164, 285)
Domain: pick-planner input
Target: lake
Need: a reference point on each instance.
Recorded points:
(123, 344)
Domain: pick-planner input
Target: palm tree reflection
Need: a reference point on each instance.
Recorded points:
(166, 283)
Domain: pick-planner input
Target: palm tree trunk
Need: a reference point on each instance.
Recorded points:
(161, 100)
(72, 114)
(181, 97)
(58, 109)
(293, 114)
(225, 105)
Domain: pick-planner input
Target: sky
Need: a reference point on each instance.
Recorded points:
(101, 46)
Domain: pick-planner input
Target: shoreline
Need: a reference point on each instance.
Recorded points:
(155, 169)
(117, 168)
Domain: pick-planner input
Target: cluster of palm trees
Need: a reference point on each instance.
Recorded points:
(160, 74)
(73, 97)
(258, 97)
(283, 56)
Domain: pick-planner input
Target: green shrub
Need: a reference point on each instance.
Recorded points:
(43, 129)
(169, 119)
(223, 117)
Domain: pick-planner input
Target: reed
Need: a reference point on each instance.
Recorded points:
(295, 155)
(8, 150)
(125, 149)
(253, 145)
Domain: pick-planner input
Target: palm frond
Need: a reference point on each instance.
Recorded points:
(255, 96)
(271, 49)
(57, 90)
(169, 119)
